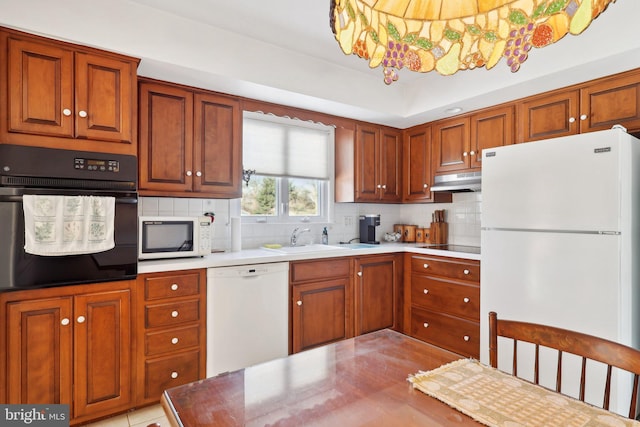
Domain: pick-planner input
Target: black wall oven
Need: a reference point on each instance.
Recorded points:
(44, 171)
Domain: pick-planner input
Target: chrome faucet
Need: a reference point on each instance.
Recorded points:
(296, 233)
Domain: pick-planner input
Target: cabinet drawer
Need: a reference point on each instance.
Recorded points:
(171, 286)
(455, 334)
(161, 374)
(437, 294)
(171, 340)
(453, 268)
(319, 270)
(170, 314)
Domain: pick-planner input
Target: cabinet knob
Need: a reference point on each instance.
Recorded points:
(174, 340)
(384, 186)
(466, 338)
(583, 117)
(472, 153)
(425, 185)
(425, 324)
(465, 154)
(174, 287)
(189, 173)
(425, 265)
(82, 113)
(198, 173)
(466, 271)
(425, 291)
(81, 319)
(174, 313)
(465, 299)
(66, 112)
(572, 119)
(379, 186)
(359, 273)
(299, 303)
(174, 375)
(65, 321)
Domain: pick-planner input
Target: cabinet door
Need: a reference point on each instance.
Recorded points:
(375, 293)
(489, 129)
(218, 146)
(39, 351)
(367, 163)
(417, 164)
(40, 88)
(105, 88)
(320, 313)
(611, 102)
(548, 116)
(102, 334)
(166, 138)
(451, 145)
(390, 165)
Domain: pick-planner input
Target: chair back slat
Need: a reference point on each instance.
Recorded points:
(587, 347)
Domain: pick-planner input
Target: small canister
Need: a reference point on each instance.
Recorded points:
(419, 235)
(399, 228)
(410, 233)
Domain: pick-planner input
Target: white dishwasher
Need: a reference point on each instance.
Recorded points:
(247, 315)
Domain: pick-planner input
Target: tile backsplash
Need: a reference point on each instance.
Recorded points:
(463, 216)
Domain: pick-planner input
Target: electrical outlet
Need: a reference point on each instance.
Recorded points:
(348, 221)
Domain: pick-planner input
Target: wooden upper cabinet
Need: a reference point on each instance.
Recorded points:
(190, 142)
(378, 153)
(417, 164)
(66, 96)
(217, 150)
(609, 102)
(451, 145)
(489, 129)
(548, 116)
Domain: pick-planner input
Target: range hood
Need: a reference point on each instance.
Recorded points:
(458, 182)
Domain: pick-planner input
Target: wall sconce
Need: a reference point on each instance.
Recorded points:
(246, 175)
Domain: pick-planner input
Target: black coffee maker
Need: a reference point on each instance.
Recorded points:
(368, 224)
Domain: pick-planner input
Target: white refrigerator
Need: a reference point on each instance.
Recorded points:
(560, 246)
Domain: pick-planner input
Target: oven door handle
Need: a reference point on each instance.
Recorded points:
(18, 199)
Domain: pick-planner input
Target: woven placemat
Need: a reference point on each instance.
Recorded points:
(495, 398)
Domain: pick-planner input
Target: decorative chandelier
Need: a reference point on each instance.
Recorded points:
(452, 35)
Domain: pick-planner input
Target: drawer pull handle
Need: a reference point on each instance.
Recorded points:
(174, 340)
(174, 287)
(425, 265)
(81, 319)
(465, 299)
(426, 291)
(425, 324)
(65, 321)
(174, 375)
(466, 338)
(466, 271)
(174, 313)
(299, 303)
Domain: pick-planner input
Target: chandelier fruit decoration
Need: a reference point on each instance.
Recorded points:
(451, 35)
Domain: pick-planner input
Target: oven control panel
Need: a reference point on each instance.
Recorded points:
(96, 165)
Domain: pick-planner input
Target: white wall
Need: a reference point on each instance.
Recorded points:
(463, 216)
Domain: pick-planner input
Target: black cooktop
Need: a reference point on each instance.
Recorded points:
(453, 248)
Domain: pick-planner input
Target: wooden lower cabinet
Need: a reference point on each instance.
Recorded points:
(69, 345)
(442, 302)
(171, 336)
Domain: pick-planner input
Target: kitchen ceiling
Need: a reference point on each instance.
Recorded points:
(283, 51)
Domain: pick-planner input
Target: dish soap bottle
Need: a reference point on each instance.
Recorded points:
(325, 236)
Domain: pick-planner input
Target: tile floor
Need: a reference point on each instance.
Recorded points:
(139, 418)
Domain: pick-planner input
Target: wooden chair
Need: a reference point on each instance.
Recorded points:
(585, 346)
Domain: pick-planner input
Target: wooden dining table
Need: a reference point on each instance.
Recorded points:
(356, 382)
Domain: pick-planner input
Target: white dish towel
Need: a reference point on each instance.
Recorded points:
(68, 225)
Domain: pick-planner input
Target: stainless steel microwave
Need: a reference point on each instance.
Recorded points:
(174, 237)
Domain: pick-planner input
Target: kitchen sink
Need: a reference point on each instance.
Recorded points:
(303, 249)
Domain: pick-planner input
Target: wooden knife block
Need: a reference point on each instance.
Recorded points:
(439, 232)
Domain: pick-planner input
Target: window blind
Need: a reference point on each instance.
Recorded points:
(274, 148)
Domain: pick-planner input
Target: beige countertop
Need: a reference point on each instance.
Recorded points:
(261, 256)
